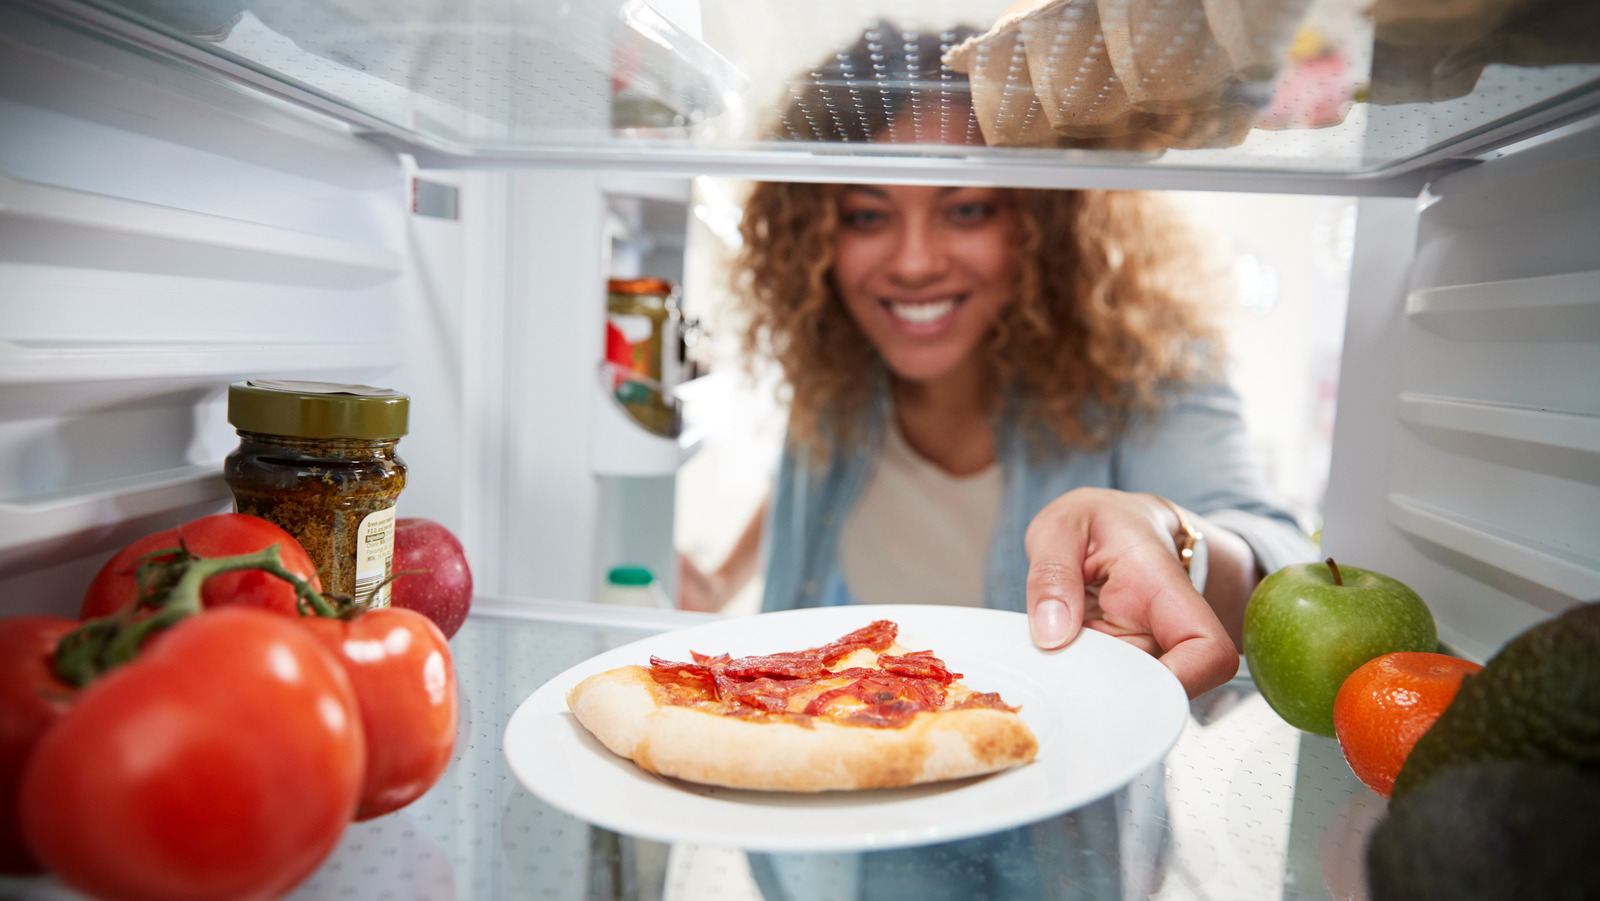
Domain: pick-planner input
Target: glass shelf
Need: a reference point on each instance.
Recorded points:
(1312, 94)
(1243, 807)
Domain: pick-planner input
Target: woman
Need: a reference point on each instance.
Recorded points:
(1006, 397)
(998, 397)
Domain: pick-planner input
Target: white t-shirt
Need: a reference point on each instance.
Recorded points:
(919, 535)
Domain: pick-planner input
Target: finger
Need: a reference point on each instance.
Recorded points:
(1198, 649)
(1056, 547)
(1149, 602)
(1202, 663)
(1140, 640)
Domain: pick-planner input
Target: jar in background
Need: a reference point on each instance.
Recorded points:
(638, 316)
(634, 586)
(318, 459)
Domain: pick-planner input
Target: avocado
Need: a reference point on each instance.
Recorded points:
(1498, 830)
(1537, 699)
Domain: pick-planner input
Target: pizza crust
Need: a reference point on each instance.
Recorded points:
(625, 710)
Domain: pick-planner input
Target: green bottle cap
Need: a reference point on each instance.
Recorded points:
(297, 409)
(630, 575)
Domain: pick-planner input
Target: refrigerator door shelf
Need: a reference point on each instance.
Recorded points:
(622, 447)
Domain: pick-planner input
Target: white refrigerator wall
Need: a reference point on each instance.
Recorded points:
(1467, 445)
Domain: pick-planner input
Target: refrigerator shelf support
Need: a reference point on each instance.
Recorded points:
(60, 226)
(1524, 425)
(62, 517)
(33, 362)
(1572, 575)
(1560, 307)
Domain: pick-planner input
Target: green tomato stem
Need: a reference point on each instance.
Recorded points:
(185, 593)
(173, 588)
(157, 571)
(79, 652)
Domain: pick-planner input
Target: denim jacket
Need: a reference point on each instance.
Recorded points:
(1195, 453)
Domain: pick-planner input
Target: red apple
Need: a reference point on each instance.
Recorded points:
(432, 575)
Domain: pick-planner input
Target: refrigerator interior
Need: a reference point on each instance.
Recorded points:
(430, 196)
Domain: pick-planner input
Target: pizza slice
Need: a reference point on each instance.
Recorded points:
(860, 712)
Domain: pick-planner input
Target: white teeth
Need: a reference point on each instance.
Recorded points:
(922, 313)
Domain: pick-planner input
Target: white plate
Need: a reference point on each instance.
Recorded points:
(1103, 711)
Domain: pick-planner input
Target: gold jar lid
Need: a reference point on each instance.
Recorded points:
(658, 287)
(299, 409)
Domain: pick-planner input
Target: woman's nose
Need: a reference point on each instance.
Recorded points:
(920, 255)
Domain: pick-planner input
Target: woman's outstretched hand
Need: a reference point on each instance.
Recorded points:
(1107, 560)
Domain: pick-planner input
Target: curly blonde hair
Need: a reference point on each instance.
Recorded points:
(1112, 306)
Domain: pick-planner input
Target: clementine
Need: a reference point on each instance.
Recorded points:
(1386, 704)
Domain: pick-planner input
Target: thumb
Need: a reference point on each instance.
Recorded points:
(1056, 547)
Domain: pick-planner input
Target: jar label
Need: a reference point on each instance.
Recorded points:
(375, 557)
(630, 344)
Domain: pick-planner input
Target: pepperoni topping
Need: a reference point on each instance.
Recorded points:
(921, 664)
(890, 695)
(807, 664)
(854, 672)
(767, 695)
(875, 636)
(888, 699)
(688, 675)
(791, 665)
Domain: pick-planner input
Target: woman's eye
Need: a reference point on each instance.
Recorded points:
(973, 212)
(862, 218)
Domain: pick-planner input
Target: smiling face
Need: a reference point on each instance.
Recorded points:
(924, 271)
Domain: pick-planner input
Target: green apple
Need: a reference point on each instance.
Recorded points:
(1309, 625)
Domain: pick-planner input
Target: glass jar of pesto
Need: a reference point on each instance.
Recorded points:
(319, 460)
